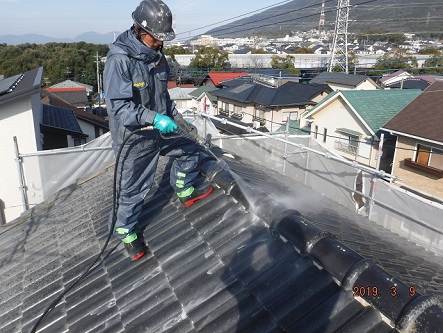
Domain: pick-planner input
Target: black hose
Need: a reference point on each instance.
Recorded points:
(114, 220)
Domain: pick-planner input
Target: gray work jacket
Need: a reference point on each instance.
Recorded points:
(135, 84)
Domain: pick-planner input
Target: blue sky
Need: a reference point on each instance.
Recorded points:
(67, 19)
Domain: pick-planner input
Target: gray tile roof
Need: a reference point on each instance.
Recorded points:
(20, 85)
(290, 93)
(410, 83)
(339, 78)
(214, 267)
(60, 119)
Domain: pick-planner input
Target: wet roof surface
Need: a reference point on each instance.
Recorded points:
(211, 268)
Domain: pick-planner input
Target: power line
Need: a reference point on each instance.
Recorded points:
(284, 21)
(363, 4)
(272, 16)
(236, 17)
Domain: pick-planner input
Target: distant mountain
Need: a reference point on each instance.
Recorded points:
(304, 15)
(88, 37)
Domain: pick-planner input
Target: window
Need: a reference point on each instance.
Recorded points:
(429, 156)
(325, 135)
(347, 143)
(79, 141)
(290, 115)
(259, 115)
(224, 109)
(316, 132)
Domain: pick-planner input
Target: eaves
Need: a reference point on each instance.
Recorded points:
(398, 133)
(288, 105)
(102, 124)
(22, 93)
(335, 97)
(63, 131)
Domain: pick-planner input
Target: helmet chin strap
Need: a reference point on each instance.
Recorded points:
(138, 35)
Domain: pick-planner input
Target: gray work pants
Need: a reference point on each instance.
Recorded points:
(136, 172)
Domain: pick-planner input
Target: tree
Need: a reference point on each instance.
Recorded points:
(434, 65)
(210, 59)
(60, 61)
(390, 63)
(376, 35)
(174, 49)
(259, 51)
(304, 50)
(286, 64)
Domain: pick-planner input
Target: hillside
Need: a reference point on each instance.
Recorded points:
(302, 15)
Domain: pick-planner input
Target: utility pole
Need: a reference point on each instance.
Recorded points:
(99, 90)
(339, 56)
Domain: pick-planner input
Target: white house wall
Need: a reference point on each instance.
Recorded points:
(338, 115)
(16, 119)
(365, 85)
(87, 128)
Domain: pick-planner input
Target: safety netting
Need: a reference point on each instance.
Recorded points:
(297, 158)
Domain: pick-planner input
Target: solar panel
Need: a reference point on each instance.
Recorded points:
(9, 84)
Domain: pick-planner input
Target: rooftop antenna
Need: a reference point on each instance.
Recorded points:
(339, 57)
(321, 24)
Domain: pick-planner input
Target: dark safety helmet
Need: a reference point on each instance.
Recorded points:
(155, 17)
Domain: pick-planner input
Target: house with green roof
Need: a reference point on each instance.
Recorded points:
(349, 122)
(203, 100)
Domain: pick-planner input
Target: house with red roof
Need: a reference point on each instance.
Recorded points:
(214, 79)
(78, 96)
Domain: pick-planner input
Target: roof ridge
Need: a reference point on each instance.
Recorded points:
(351, 270)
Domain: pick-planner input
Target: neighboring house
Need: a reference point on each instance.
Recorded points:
(203, 100)
(268, 106)
(293, 128)
(349, 122)
(409, 83)
(418, 159)
(341, 81)
(92, 125)
(77, 97)
(400, 76)
(181, 97)
(20, 115)
(213, 79)
(60, 128)
(74, 84)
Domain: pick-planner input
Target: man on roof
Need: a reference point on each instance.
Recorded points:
(135, 81)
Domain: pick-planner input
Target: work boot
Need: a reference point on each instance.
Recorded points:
(136, 249)
(197, 194)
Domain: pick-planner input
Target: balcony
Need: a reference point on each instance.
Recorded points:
(261, 120)
(223, 112)
(346, 147)
(423, 168)
(237, 116)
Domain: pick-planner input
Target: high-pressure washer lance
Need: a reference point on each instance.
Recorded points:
(210, 170)
(191, 130)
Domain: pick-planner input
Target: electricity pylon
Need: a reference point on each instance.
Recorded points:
(339, 56)
(321, 24)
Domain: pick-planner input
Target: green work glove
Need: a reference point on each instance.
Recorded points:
(164, 124)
